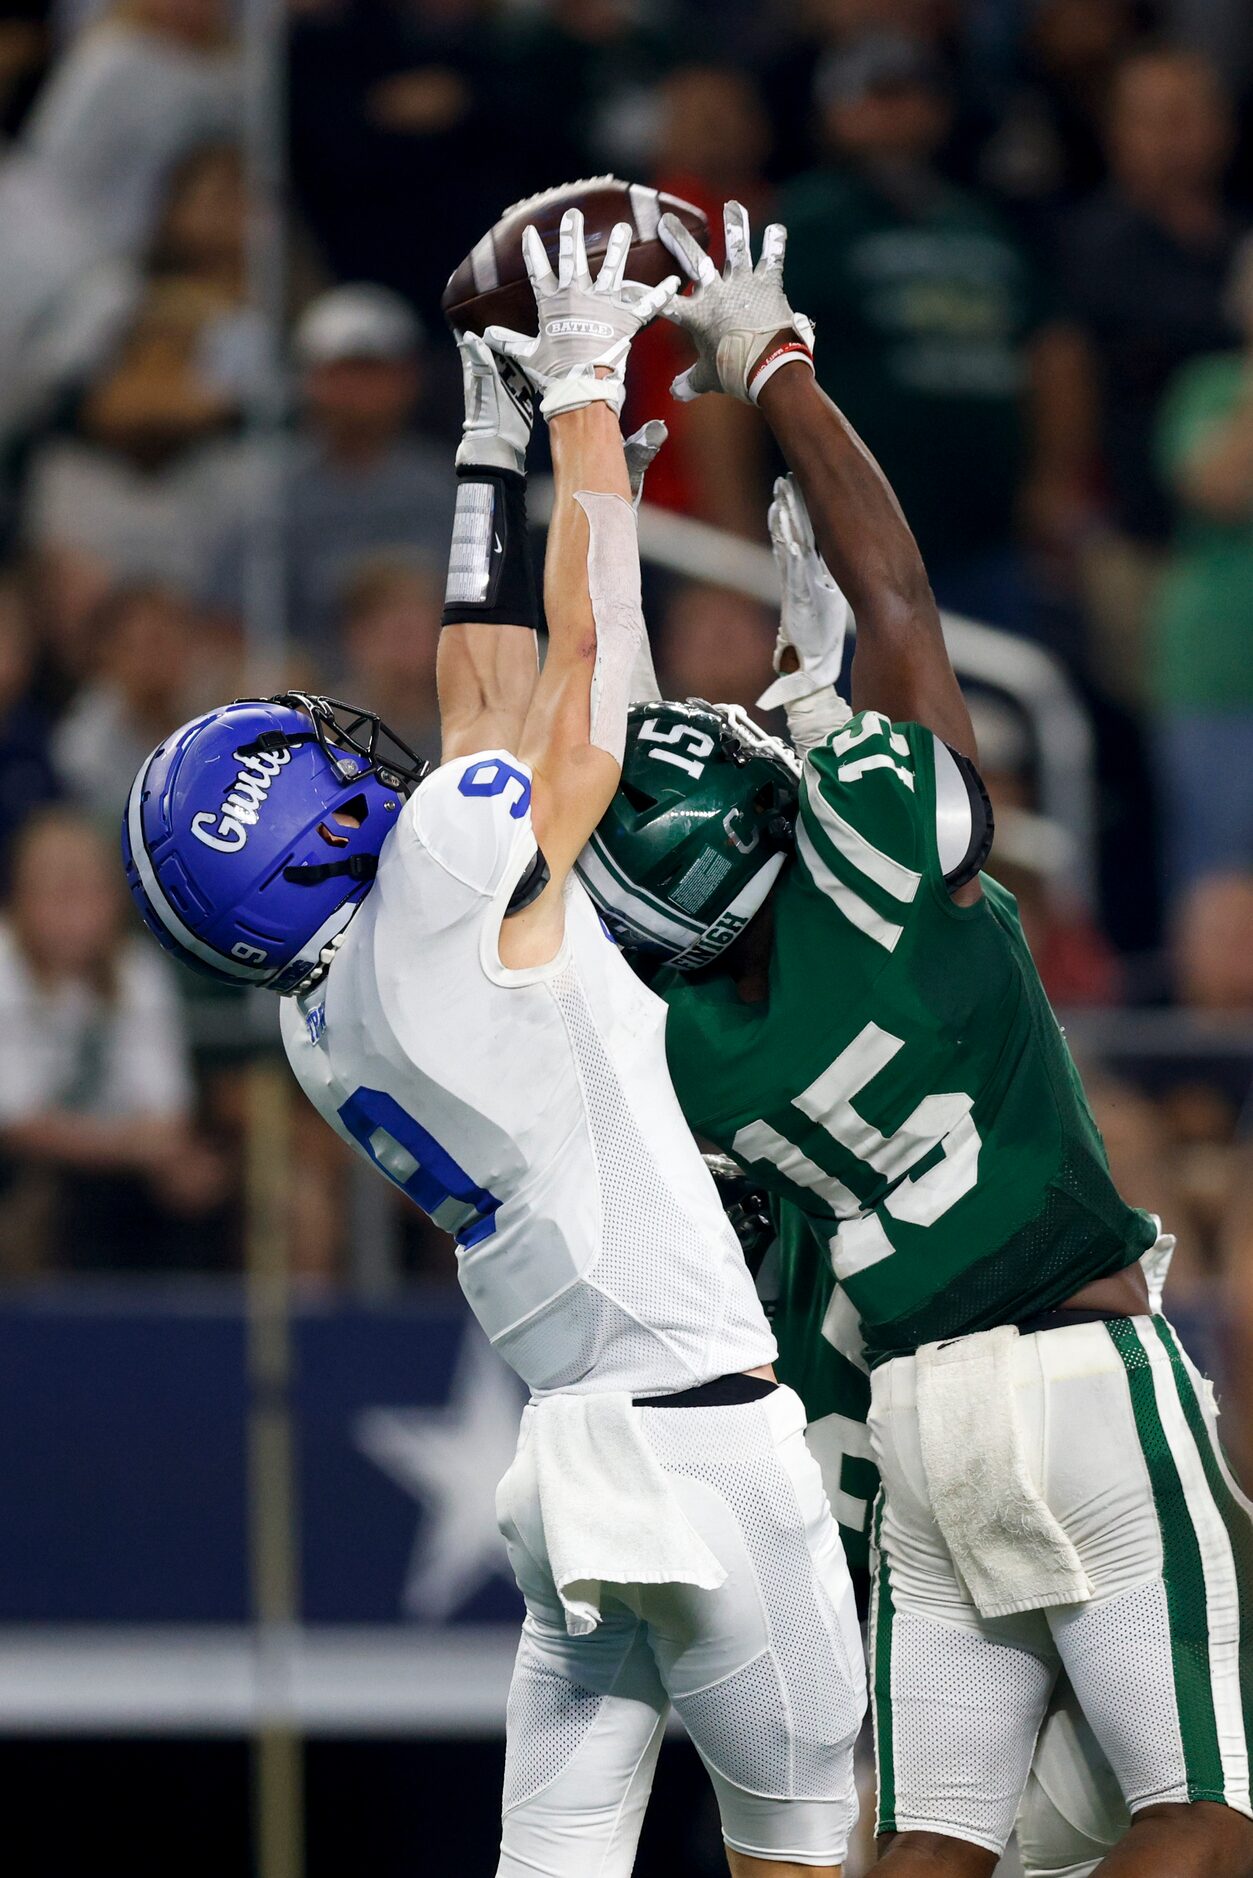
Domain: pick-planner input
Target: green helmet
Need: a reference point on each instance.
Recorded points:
(696, 835)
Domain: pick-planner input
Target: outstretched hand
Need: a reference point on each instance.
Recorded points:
(499, 408)
(578, 356)
(815, 614)
(732, 317)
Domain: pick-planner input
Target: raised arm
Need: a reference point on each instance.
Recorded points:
(574, 730)
(900, 665)
(752, 345)
(488, 658)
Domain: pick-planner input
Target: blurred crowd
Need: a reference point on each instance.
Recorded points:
(1022, 228)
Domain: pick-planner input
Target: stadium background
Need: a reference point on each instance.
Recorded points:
(252, 1618)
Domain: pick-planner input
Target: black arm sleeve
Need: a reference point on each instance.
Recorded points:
(491, 576)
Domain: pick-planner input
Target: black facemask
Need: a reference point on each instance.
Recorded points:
(353, 741)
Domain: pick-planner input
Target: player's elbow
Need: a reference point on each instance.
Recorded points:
(573, 787)
(910, 587)
(570, 677)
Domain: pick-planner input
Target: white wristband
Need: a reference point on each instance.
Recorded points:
(488, 452)
(795, 351)
(578, 391)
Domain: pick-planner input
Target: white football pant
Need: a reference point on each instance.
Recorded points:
(766, 1671)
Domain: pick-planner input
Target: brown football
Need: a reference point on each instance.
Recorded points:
(491, 287)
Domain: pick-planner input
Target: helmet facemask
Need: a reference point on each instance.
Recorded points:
(337, 728)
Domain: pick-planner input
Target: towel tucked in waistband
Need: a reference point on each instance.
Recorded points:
(609, 1511)
(1006, 1542)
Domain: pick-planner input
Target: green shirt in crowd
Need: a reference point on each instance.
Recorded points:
(1203, 639)
(922, 316)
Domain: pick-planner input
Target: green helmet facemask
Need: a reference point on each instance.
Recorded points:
(696, 835)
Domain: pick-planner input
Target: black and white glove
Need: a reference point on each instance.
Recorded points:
(585, 327)
(491, 579)
(815, 615)
(500, 409)
(732, 317)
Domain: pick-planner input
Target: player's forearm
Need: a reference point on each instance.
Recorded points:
(489, 655)
(577, 723)
(485, 677)
(861, 532)
(900, 666)
(587, 458)
(575, 731)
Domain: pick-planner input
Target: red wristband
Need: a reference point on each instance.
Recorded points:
(769, 363)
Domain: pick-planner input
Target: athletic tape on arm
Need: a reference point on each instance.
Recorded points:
(613, 585)
(644, 687)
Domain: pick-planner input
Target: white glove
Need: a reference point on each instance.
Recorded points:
(500, 408)
(732, 317)
(640, 449)
(582, 327)
(816, 616)
(1155, 1264)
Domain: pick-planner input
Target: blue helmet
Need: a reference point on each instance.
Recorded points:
(232, 850)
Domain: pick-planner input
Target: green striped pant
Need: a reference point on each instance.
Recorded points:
(1119, 1434)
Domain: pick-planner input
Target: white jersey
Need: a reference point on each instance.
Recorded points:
(529, 1112)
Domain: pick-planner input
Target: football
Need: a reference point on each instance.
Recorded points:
(491, 287)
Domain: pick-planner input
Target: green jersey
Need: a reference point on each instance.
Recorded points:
(904, 1083)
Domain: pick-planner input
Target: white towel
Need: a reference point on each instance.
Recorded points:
(610, 1514)
(1007, 1544)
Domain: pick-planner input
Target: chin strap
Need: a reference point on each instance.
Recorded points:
(326, 958)
(356, 866)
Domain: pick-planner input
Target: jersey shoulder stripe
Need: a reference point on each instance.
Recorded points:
(898, 806)
(868, 774)
(854, 906)
(893, 876)
(857, 830)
